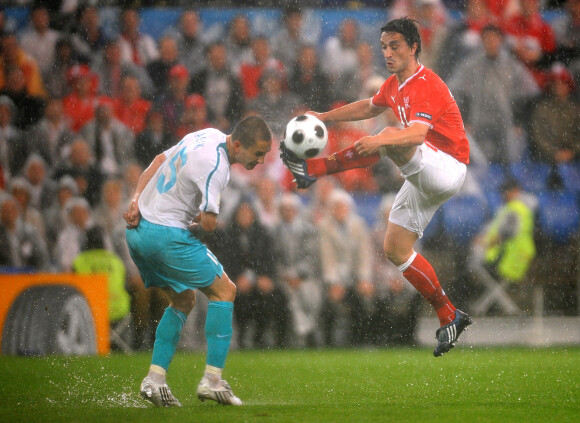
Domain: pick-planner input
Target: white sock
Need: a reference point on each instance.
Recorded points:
(157, 374)
(213, 374)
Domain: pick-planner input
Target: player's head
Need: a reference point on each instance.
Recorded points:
(408, 29)
(251, 140)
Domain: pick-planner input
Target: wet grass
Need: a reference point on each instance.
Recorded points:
(390, 385)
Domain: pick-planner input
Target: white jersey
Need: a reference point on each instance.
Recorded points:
(190, 181)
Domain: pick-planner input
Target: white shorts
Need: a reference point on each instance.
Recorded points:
(431, 178)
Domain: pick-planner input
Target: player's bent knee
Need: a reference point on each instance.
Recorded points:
(184, 301)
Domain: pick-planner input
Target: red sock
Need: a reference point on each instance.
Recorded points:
(340, 161)
(422, 276)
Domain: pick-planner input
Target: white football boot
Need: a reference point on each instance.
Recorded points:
(222, 393)
(158, 394)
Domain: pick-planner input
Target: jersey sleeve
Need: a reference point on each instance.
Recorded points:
(213, 183)
(381, 98)
(428, 102)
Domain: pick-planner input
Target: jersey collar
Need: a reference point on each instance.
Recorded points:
(411, 77)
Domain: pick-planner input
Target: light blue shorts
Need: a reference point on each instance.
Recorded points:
(171, 257)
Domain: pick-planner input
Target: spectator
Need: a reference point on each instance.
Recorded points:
(136, 47)
(55, 215)
(190, 46)
(555, 132)
(346, 261)
(463, 38)
(194, 116)
(266, 203)
(298, 268)
(42, 188)
(70, 241)
(350, 86)
(506, 248)
(433, 31)
(89, 39)
(153, 140)
(79, 105)
(64, 58)
(219, 87)
(339, 53)
(108, 212)
(488, 110)
(158, 69)
(288, 40)
(39, 40)
(21, 190)
(251, 71)
(51, 136)
(239, 42)
(28, 107)
(94, 258)
(13, 56)
(308, 81)
(21, 247)
(531, 39)
(12, 150)
(80, 165)
(398, 303)
(259, 301)
(274, 103)
(171, 102)
(110, 140)
(110, 70)
(129, 107)
(567, 32)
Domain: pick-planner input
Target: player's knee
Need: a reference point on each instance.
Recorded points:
(184, 301)
(229, 291)
(394, 253)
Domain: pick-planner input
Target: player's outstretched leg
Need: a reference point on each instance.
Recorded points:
(448, 334)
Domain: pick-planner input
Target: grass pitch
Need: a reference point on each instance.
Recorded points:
(387, 385)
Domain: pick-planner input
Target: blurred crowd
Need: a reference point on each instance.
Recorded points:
(83, 112)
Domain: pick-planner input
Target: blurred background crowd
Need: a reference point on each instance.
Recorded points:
(90, 92)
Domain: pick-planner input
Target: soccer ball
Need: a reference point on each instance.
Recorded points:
(305, 136)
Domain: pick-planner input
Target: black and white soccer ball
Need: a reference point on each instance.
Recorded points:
(305, 136)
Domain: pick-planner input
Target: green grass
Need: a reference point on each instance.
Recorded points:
(389, 385)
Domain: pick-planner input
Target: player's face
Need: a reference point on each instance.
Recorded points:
(252, 156)
(397, 53)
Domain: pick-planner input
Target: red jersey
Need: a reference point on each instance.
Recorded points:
(425, 98)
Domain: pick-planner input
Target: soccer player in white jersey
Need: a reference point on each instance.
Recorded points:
(177, 199)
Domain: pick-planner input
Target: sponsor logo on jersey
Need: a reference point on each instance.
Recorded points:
(424, 115)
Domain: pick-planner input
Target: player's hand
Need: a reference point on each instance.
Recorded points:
(315, 114)
(133, 215)
(367, 146)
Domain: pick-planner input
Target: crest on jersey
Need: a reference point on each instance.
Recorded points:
(406, 100)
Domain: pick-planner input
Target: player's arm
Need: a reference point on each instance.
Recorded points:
(204, 223)
(358, 110)
(410, 136)
(132, 216)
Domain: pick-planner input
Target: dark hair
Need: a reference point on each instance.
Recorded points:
(250, 130)
(492, 28)
(407, 28)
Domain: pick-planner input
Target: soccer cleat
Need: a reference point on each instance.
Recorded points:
(448, 334)
(297, 167)
(159, 395)
(223, 394)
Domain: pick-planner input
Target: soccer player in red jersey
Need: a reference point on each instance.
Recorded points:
(431, 150)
